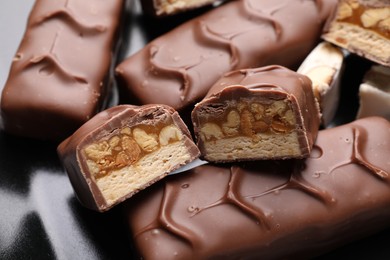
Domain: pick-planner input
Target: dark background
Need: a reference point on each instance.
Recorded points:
(39, 216)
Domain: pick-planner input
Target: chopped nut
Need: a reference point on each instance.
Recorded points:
(230, 127)
(372, 16)
(147, 142)
(258, 110)
(126, 131)
(385, 24)
(131, 149)
(211, 130)
(345, 10)
(114, 141)
(246, 122)
(98, 151)
(169, 133)
(289, 117)
(279, 126)
(276, 108)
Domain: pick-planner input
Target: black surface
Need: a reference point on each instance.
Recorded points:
(39, 216)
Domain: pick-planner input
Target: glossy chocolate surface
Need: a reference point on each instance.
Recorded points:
(104, 126)
(62, 69)
(179, 67)
(273, 209)
(267, 84)
(41, 217)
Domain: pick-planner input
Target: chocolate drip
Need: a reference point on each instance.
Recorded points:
(359, 134)
(233, 197)
(297, 182)
(237, 35)
(317, 208)
(165, 220)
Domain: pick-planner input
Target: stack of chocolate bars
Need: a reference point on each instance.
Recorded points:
(250, 87)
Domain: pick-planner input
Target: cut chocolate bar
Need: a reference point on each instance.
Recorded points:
(374, 93)
(291, 209)
(252, 114)
(169, 7)
(362, 27)
(179, 67)
(123, 150)
(62, 71)
(324, 67)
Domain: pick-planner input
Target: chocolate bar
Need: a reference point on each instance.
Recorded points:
(324, 66)
(362, 27)
(170, 7)
(252, 114)
(179, 67)
(61, 74)
(125, 149)
(291, 209)
(374, 93)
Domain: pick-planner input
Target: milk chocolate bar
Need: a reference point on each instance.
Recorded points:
(170, 7)
(62, 71)
(324, 66)
(291, 209)
(179, 67)
(263, 113)
(123, 150)
(374, 93)
(362, 27)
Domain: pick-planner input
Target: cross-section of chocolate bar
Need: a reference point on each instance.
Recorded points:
(362, 27)
(294, 209)
(252, 114)
(123, 150)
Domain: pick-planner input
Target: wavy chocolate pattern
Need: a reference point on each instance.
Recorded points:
(62, 69)
(322, 202)
(236, 35)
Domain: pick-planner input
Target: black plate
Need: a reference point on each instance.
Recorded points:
(39, 216)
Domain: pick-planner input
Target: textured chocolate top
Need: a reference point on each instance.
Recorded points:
(273, 209)
(179, 67)
(106, 124)
(60, 73)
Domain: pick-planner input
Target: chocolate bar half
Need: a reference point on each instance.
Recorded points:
(374, 93)
(257, 114)
(125, 149)
(362, 27)
(179, 67)
(324, 66)
(63, 69)
(291, 209)
(170, 7)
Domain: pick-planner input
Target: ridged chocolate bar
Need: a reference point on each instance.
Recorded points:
(63, 68)
(257, 114)
(179, 67)
(123, 150)
(294, 209)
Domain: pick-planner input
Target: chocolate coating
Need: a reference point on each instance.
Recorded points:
(272, 209)
(104, 126)
(263, 86)
(179, 67)
(63, 67)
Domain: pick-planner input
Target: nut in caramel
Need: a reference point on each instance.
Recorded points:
(255, 114)
(124, 150)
